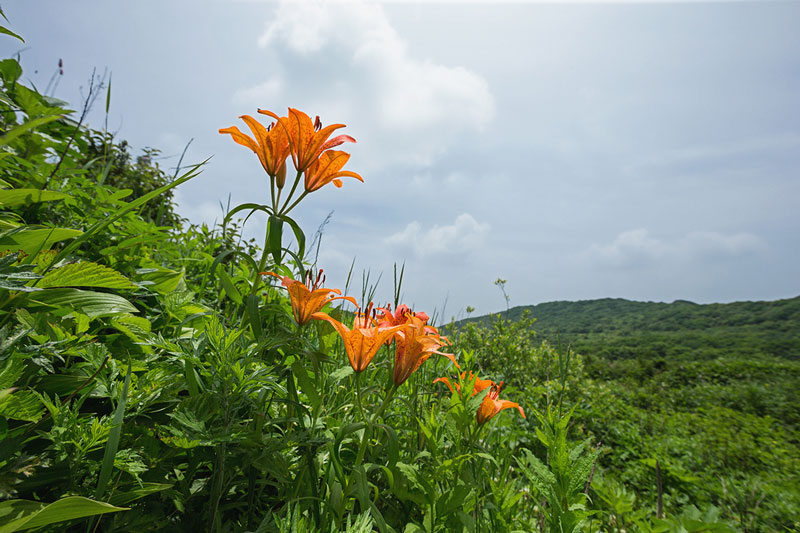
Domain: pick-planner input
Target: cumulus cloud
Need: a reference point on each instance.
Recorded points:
(636, 247)
(348, 57)
(463, 235)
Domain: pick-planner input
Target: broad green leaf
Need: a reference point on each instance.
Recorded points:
(254, 316)
(85, 275)
(298, 235)
(18, 515)
(31, 241)
(227, 284)
(23, 197)
(164, 280)
(10, 70)
(93, 304)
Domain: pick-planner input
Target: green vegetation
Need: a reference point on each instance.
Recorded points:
(152, 377)
(708, 391)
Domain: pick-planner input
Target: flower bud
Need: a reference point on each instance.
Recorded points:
(280, 178)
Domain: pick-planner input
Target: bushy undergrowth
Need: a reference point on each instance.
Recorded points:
(152, 376)
(724, 431)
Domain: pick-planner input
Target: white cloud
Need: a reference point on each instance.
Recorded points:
(203, 212)
(348, 58)
(636, 247)
(464, 235)
(256, 95)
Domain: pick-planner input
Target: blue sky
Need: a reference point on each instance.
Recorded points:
(645, 150)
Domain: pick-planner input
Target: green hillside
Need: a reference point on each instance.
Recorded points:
(615, 328)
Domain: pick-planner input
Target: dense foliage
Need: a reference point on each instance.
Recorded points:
(710, 391)
(152, 376)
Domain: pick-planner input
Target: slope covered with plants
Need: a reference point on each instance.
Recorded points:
(709, 391)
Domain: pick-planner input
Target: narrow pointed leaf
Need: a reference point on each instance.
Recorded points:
(113, 438)
(19, 515)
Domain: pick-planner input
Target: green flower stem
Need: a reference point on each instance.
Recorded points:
(365, 437)
(305, 193)
(385, 404)
(358, 398)
(272, 182)
(262, 263)
(283, 210)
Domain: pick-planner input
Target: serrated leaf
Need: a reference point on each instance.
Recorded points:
(581, 469)
(22, 405)
(133, 327)
(85, 275)
(90, 303)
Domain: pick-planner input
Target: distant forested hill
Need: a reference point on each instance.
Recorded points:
(614, 328)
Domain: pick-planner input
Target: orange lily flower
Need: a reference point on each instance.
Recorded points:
(414, 346)
(386, 319)
(308, 139)
(491, 405)
(271, 144)
(399, 316)
(363, 341)
(307, 301)
(480, 384)
(326, 169)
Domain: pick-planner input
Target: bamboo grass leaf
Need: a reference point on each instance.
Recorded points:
(29, 239)
(11, 198)
(90, 303)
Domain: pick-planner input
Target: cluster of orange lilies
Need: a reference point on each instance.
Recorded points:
(313, 156)
(309, 145)
(415, 341)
